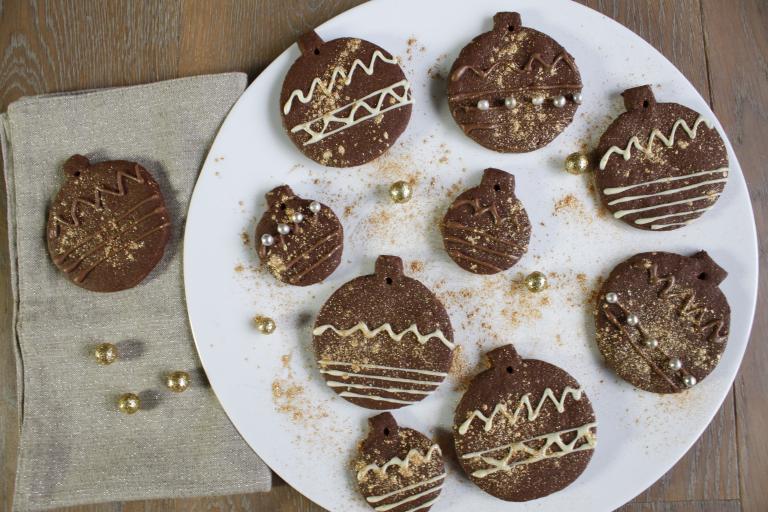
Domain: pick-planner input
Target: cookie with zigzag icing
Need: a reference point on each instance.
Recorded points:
(524, 428)
(662, 321)
(108, 224)
(344, 102)
(383, 341)
(662, 165)
(486, 229)
(398, 469)
(513, 89)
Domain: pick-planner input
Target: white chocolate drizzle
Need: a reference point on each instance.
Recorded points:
(583, 435)
(324, 363)
(413, 454)
(376, 499)
(375, 398)
(422, 506)
(666, 192)
(618, 190)
(387, 328)
(621, 213)
(523, 404)
(668, 141)
(327, 88)
(344, 375)
(337, 384)
(390, 506)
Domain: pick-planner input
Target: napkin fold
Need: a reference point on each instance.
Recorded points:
(75, 446)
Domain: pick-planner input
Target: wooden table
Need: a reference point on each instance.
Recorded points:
(720, 45)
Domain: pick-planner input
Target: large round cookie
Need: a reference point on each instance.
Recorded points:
(383, 341)
(108, 225)
(513, 89)
(300, 240)
(662, 165)
(398, 469)
(524, 429)
(344, 102)
(486, 229)
(661, 321)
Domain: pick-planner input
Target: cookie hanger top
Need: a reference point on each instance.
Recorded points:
(639, 98)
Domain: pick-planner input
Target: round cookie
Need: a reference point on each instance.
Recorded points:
(513, 89)
(398, 469)
(383, 341)
(662, 165)
(108, 225)
(524, 429)
(661, 320)
(486, 230)
(344, 102)
(299, 240)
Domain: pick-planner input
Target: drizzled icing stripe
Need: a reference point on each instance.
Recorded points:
(647, 220)
(337, 72)
(376, 499)
(375, 398)
(338, 373)
(379, 367)
(583, 433)
(400, 463)
(662, 226)
(667, 192)
(337, 384)
(634, 141)
(621, 213)
(422, 506)
(618, 190)
(390, 506)
(524, 403)
(387, 328)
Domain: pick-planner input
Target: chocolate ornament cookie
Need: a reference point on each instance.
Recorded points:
(108, 225)
(661, 321)
(486, 229)
(383, 341)
(299, 240)
(513, 89)
(524, 429)
(398, 469)
(662, 165)
(344, 102)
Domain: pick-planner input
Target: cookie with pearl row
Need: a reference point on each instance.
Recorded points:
(662, 321)
(513, 89)
(299, 240)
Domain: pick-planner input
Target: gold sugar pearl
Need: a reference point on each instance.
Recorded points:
(177, 381)
(400, 192)
(129, 403)
(577, 163)
(105, 353)
(536, 281)
(264, 324)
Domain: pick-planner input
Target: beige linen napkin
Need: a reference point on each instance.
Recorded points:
(75, 446)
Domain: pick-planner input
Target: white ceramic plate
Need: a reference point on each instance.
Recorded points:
(268, 384)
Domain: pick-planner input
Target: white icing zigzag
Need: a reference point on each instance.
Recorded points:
(400, 463)
(634, 141)
(524, 403)
(337, 72)
(584, 435)
(398, 100)
(387, 328)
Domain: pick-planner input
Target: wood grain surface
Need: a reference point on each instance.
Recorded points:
(720, 45)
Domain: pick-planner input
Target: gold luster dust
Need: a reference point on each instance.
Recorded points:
(536, 281)
(577, 163)
(400, 192)
(264, 324)
(177, 381)
(129, 403)
(105, 353)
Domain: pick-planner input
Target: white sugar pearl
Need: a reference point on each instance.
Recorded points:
(689, 381)
(283, 229)
(510, 102)
(483, 105)
(267, 240)
(314, 207)
(577, 98)
(559, 101)
(674, 364)
(297, 217)
(612, 297)
(632, 320)
(651, 342)
(538, 100)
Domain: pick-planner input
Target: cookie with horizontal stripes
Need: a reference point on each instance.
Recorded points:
(299, 240)
(662, 321)
(344, 102)
(662, 165)
(383, 341)
(486, 229)
(524, 429)
(513, 89)
(398, 469)
(108, 224)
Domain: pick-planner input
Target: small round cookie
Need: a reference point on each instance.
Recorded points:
(513, 89)
(661, 320)
(398, 469)
(486, 230)
(299, 240)
(344, 102)
(662, 165)
(383, 341)
(108, 225)
(524, 429)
